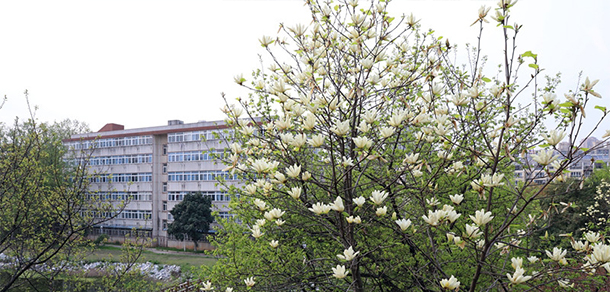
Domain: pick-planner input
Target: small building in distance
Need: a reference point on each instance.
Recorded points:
(151, 169)
(597, 158)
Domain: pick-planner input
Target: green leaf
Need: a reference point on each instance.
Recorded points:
(509, 26)
(486, 79)
(535, 66)
(601, 108)
(529, 54)
(584, 149)
(566, 104)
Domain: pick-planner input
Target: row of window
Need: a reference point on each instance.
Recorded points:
(111, 142)
(216, 196)
(121, 159)
(120, 196)
(135, 214)
(194, 156)
(200, 175)
(199, 135)
(122, 177)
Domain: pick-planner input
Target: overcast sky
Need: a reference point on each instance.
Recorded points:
(141, 63)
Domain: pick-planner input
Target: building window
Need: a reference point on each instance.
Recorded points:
(164, 167)
(164, 149)
(164, 205)
(164, 224)
(165, 187)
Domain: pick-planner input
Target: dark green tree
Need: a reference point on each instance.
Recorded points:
(192, 218)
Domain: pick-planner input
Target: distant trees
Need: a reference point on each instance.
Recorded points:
(44, 210)
(192, 217)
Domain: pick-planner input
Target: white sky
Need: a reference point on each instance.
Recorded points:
(141, 63)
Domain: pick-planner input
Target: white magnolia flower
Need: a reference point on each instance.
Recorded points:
(260, 222)
(450, 284)
(434, 218)
(265, 41)
(452, 215)
(339, 272)
(381, 211)
(411, 158)
(533, 259)
(352, 219)
(338, 205)
(295, 192)
(516, 263)
(403, 224)
(320, 208)
(293, 171)
(250, 189)
(601, 253)
(544, 157)
(580, 246)
(276, 213)
(387, 131)
(309, 122)
(554, 137)
(229, 289)
(260, 204)
(517, 277)
(256, 231)
(472, 231)
(557, 255)
(362, 142)
(457, 198)
(306, 176)
(363, 127)
(316, 141)
(565, 283)
(299, 141)
(341, 128)
(279, 222)
(249, 281)
(606, 135)
(432, 201)
(481, 217)
(348, 254)
(377, 197)
(459, 242)
(359, 201)
(207, 286)
(274, 243)
(592, 237)
(370, 116)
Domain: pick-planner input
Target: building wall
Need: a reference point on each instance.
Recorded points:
(155, 167)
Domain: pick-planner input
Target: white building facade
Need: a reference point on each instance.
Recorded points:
(151, 170)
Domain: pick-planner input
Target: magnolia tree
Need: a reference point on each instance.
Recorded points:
(372, 162)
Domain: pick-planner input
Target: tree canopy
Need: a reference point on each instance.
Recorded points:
(192, 217)
(372, 162)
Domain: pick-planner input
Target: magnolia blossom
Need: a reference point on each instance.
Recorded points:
(260, 204)
(276, 213)
(381, 211)
(348, 254)
(601, 253)
(450, 284)
(229, 289)
(516, 262)
(544, 157)
(293, 171)
(316, 141)
(256, 231)
(533, 259)
(359, 201)
(457, 198)
(274, 243)
(492, 181)
(295, 192)
(306, 176)
(339, 272)
(249, 281)
(558, 254)
(207, 286)
(352, 219)
(565, 283)
(279, 222)
(592, 237)
(362, 142)
(320, 208)
(309, 122)
(377, 197)
(481, 217)
(517, 277)
(411, 158)
(341, 128)
(403, 223)
(580, 246)
(370, 116)
(554, 137)
(338, 205)
(433, 218)
(472, 231)
(387, 131)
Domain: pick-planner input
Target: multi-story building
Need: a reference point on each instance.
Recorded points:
(151, 169)
(596, 158)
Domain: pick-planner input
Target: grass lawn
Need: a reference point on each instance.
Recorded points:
(185, 261)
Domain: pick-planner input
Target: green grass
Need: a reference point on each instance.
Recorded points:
(185, 261)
